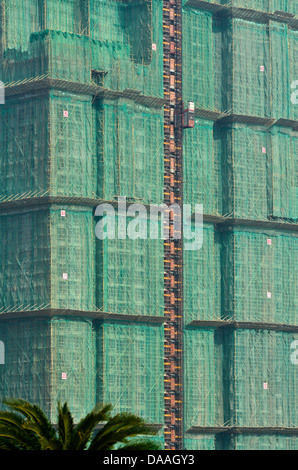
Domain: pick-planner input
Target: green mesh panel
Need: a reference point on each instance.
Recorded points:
(284, 172)
(265, 442)
(130, 145)
(73, 354)
(51, 152)
(72, 253)
(260, 279)
(267, 356)
(280, 81)
(288, 6)
(130, 369)
(108, 21)
(21, 18)
(201, 379)
(197, 52)
(293, 67)
(24, 141)
(130, 62)
(73, 171)
(130, 274)
(38, 352)
(200, 442)
(69, 56)
(25, 373)
(202, 167)
(250, 83)
(24, 265)
(67, 16)
(202, 280)
(245, 169)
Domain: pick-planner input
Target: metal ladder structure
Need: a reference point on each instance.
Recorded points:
(173, 194)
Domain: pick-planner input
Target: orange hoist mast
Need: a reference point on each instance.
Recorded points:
(173, 194)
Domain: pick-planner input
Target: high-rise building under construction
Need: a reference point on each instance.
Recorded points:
(201, 343)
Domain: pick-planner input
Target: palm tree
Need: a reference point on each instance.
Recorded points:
(26, 427)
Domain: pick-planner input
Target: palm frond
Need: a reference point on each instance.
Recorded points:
(46, 443)
(19, 437)
(9, 418)
(34, 415)
(118, 429)
(7, 444)
(27, 427)
(142, 444)
(84, 429)
(31, 412)
(65, 426)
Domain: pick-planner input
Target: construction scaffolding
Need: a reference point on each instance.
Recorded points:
(197, 342)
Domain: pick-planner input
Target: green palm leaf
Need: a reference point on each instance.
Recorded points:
(26, 427)
(84, 429)
(118, 429)
(19, 438)
(34, 414)
(141, 445)
(65, 426)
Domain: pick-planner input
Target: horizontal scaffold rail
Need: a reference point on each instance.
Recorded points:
(13, 203)
(37, 85)
(245, 13)
(224, 118)
(243, 430)
(224, 223)
(94, 315)
(242, 325)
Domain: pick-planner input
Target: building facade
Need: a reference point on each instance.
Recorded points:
(201, 343)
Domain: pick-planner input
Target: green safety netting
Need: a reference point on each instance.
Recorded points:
(202, 380)
(81, 149)
(246, 159)
(130, 272)
(202, 167)
(259, 276)
(73, 167)
(254, 81)
(49, 260)
(67, 144)
(129, 145)
(53, 151)
(27, 355)
(72, 353)
(73, 360)
(72, 257)
(239, 378)
(38, 352)
(260, 378)
(200, 442)
(130, 369)
(66, 42)
(284, 173)
(202, 279)
(197, 50)
(240, 442)
(235, 170)
(265, 442)
(23, 133)
(24, 265)
(287, 6)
